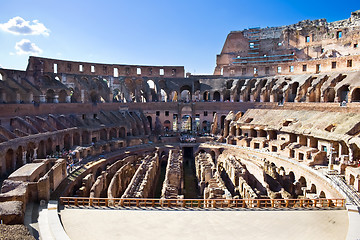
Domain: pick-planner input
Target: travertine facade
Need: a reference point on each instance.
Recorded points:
(281, 113)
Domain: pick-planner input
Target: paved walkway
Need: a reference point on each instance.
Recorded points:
(146, 224)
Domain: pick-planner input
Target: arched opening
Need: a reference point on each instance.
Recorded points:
(186, 123)
(62, 96)
(302, 181)
(167, 125)
(153, 90)
(227, 96)
(50, 96)
(19, 157)
(213, 156)
(329, 95)
(322, 194)
(164, 97)
(112, 133)
(222, 121)
(76, 139)
(233, 130)
(343, 93)
(9, 159)
(122, 132)
(41, 150)
(313, 189)
(1, 77)
(49, 144)
(67, 141)
(355, 96)
(206, 96)
(116, 95)
(103, 134)
(94, 97)
(293, 92)
(216, 96)
(85, 138)
(186, 93)
(149, 118)
(292, 177)
(30, 152)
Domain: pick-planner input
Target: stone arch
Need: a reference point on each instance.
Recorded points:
(49, 144)
(30, 152)
(342, 93)
(222, 121)
(94, 97)
(67, 141)
(122, 132)
(103, 135)
(41, 150)
(227, 95)
(112, 133)
(216, 96)
(153, 90)
(50, 96)
(149, 118)
(19, 157)
(186, 93)
(85, 138)
(355, 95)
(302, 181)
(292, 176)
(293, 91)
(322, 194)
(62, 96)
(76, 139)
(164, 96)
(313, 188)
(329, 95)
(9, 161)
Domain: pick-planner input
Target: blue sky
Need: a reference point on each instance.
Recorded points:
(186, 33)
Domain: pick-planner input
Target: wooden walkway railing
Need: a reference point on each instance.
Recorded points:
(203, 203)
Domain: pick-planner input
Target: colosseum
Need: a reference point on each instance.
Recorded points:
(268, 147)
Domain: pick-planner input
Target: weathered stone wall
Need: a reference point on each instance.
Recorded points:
(121, 180)
(210, 183)
(142, 183)
(173, 183)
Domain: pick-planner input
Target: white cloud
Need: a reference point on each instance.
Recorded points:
(18, 26)
(25, 46)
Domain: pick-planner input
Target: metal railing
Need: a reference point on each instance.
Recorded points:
(204, 203)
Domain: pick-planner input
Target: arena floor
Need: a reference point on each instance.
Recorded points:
(131, 224)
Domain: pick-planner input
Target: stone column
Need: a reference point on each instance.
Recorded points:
(31, 97)
(82, 96)
(35, 153)
(24, 157)
(18, 98)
